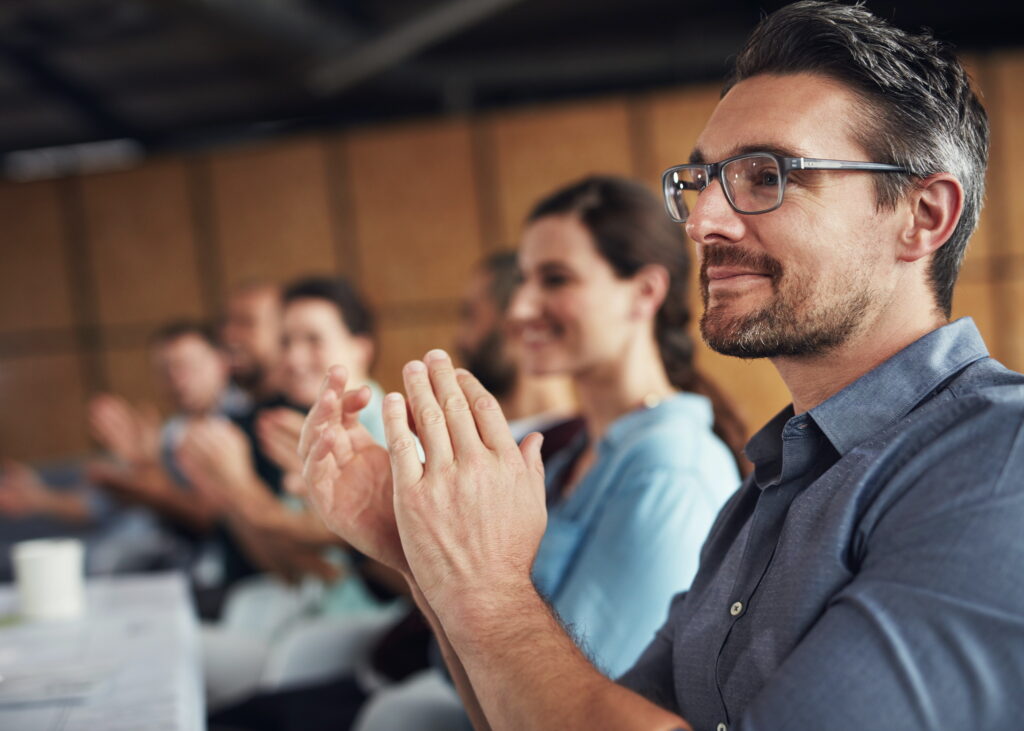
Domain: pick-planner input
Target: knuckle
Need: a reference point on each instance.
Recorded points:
(401, 445)
(431, 416)
(485, 403)
(456, 403)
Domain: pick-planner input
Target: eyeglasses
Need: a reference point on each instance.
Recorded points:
(753, 182)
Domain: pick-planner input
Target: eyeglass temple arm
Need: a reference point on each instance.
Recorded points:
(812, 163)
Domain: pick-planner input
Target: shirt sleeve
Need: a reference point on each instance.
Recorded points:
(641, 550)
(929, 633)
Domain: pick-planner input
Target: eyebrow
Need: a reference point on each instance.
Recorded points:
(697, 157)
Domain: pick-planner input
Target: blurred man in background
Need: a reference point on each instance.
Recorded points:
(251, 336)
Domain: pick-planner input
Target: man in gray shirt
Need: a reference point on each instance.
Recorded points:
(867, 575)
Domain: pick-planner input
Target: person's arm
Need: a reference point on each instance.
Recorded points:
(24, 494)
(470, 520)
(151, 486)
(284, 558)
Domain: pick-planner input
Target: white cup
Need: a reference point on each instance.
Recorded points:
(49, 574)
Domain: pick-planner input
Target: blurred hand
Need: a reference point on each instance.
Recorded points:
(278, 431)
(124, 481)
(472, 516)
(132, 435)
(348, 475)
(22, 492)
(215, 457)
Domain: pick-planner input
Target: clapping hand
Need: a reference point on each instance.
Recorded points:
(472, 515)
(347, 474)
(215, 456)
(132, 435)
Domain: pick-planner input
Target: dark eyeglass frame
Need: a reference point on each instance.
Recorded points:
(784, 164)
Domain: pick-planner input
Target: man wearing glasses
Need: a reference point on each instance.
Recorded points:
(867, 575)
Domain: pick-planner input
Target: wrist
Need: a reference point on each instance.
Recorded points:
(478, 616)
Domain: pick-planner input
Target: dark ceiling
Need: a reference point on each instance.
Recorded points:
(170, 74)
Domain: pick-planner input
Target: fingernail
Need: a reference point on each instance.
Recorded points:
(415, 366)
(436, 354)
(393, 398)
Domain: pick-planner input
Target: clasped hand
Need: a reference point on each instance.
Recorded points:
(465, 523)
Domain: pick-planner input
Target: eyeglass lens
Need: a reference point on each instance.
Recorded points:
(753, 184)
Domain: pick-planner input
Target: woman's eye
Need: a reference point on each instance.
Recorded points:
(554, 280)
(769, 178)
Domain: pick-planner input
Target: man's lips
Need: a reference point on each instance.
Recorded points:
(725, 273)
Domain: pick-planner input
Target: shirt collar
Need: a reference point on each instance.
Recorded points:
(893, 389)
(878, 398)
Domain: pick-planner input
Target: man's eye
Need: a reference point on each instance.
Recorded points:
(768, 177)
(554, 280)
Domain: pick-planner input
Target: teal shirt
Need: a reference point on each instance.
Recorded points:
(628, 537)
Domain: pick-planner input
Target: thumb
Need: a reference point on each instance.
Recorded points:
(530, 449)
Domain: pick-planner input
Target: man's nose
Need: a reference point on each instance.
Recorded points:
(712, 218)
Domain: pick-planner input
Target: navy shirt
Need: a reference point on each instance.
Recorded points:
(870, 573)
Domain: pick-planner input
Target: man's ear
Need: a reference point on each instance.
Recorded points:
(935, 208)
(652, 282)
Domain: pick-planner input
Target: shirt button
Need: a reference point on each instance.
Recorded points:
(736, 609)
(721, 727)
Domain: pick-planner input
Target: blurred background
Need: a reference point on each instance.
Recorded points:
(156, 153)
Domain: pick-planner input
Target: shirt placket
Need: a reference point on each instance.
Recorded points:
(798, 449)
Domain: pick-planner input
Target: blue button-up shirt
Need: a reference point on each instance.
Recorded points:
(870, 573)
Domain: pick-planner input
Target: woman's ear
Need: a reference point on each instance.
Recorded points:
(935, 208)
(652, 282)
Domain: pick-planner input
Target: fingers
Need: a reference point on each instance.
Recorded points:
(461, 424)
(427, 415)
(530, 449)
(326, 409)
(490, 421)
(405, 459)
(352, 403)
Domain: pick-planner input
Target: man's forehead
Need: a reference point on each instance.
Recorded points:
(797, 115)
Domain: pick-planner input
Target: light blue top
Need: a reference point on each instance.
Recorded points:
(372, 417)
(628, 537)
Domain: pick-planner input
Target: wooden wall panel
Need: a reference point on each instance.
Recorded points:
(984, 241)
(417, 217)
(1006, 112)
(43, 407)
(272, 214)
(400, 343)
(140, 231)
(34, 283)
(537, 150)
(1006, 200)
(130, 374)
(675, 121)
(1011, 293)
(977, 297)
